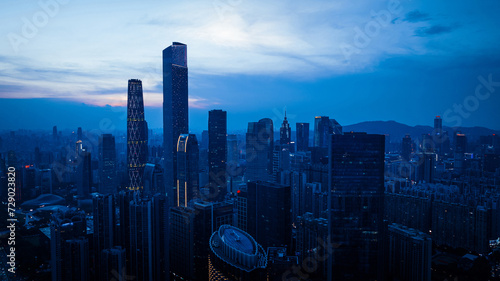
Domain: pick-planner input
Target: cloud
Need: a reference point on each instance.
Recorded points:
(434, 30)
(77, 58)
(416, 16)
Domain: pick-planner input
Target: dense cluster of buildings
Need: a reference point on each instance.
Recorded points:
(309, 205)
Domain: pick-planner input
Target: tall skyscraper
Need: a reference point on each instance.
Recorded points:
(191, 228)
(175, 108)
(322, 128)
(84, 176)
(233, 152)
(141, 238)
(137, 140)
(406, 148)
(148, 237)
(356, 200)
(104, 224)
(410, 253)
(269, 213)
(54, 133)
(302, 135)
(460, 148)
(107, 165)
(259, 150)
(187, 169)
(153, 179)
(285, 132)
(79, 135)
(161, 228)
(426, 167)
(438, 125)
(217, 154)
(112, 264)
(68, 245)
(336, 127)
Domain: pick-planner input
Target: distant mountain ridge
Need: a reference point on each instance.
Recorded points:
(398, 130)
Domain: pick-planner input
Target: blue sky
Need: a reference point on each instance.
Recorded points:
(351, 60)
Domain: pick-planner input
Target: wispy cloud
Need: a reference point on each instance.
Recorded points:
(434, 30)
(75, 57)
(416, 16)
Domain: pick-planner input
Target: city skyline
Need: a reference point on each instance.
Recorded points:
(273, 155)
(253, 59)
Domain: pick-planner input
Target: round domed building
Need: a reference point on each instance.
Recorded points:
(235, 255)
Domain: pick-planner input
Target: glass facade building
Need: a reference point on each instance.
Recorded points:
(217, 154)
(175, 108)
(356, 200)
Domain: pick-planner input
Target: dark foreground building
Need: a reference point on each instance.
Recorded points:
(356, 200)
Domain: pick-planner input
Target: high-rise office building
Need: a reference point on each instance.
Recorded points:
(259, 150)
(217, 155)
(76, 259)
(84, 176)
(438, 124)
(54, 133)
(112, 264)
(182, 241)
(107, 165)
(438, 135)
(141, 239)
(336, 127)
(233, 152)
(153, 179)
(137, 140)
(187, 169)
(175, 108)
(149, 238)
(235, 255)
(302, 136)
(406, 148)
(285, 132)
(79, 135)
(191, 228)
(426, 167)
(322, 128)
(123, 199)
(104, 224)
(410, 253)
(68, 245)
(356, 200)
(311, 242)
(269, 213)
(460, 148)
(161, 228)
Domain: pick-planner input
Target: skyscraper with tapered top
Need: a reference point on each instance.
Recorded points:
(175, 108)
(137, 140)
(285, 132)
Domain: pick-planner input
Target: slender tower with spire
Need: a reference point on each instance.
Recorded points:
(285, 132)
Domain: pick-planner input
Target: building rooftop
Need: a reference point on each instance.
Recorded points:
(43, 200)
(238, 240)
(237, 248)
